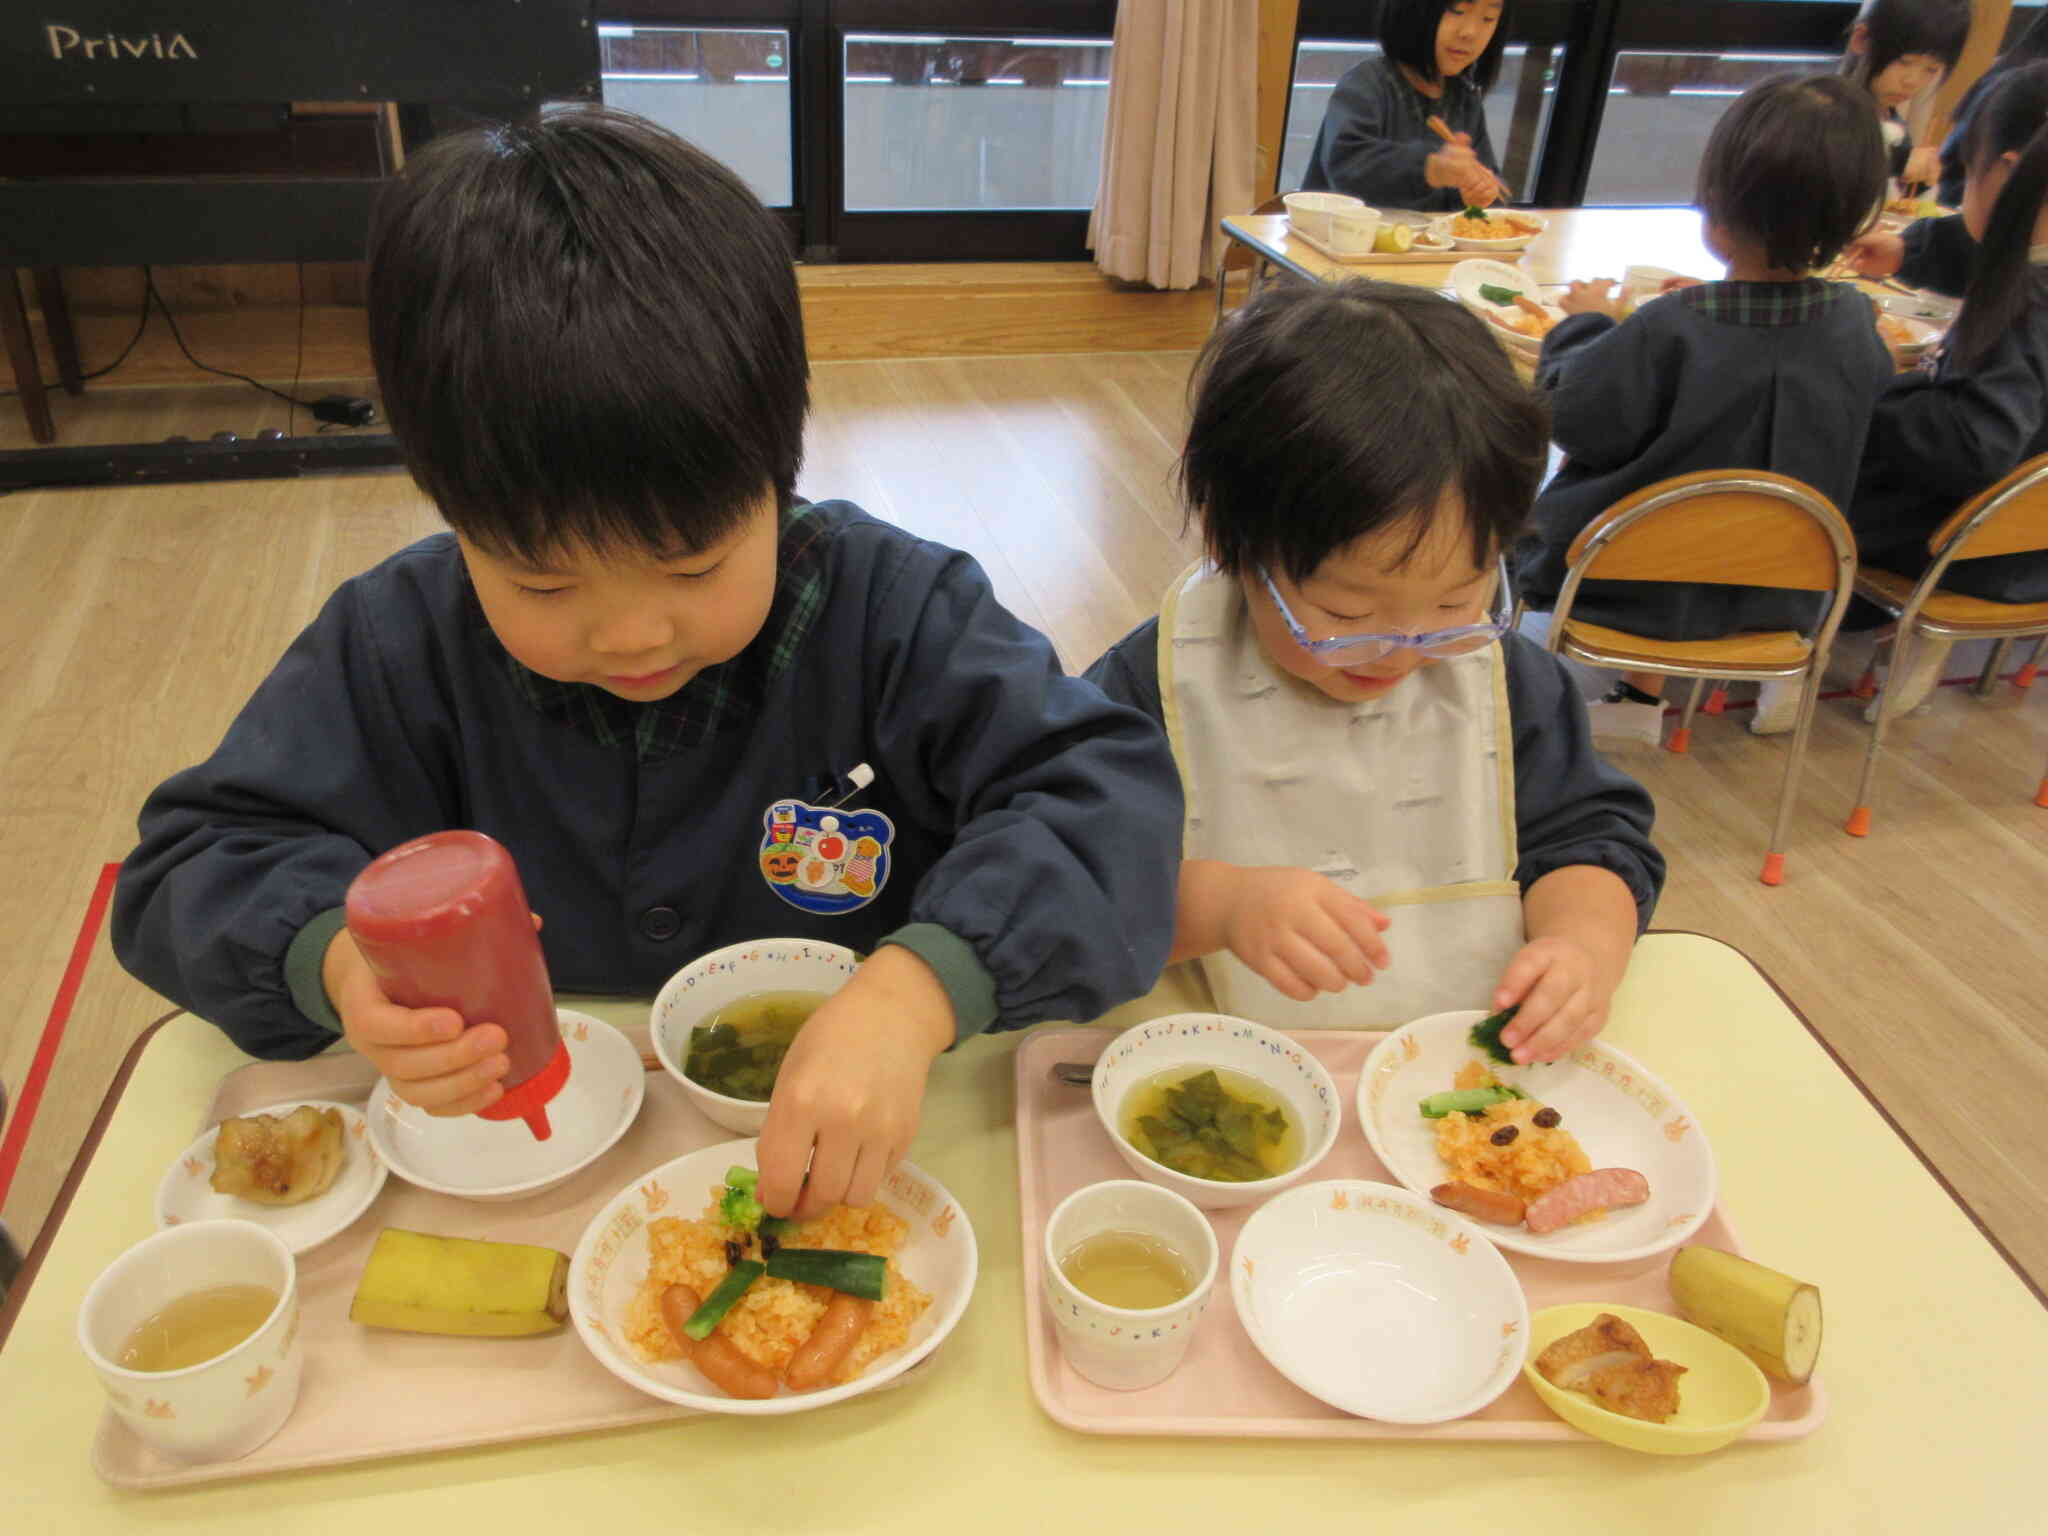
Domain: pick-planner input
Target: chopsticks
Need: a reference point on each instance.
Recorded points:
(1443, 130)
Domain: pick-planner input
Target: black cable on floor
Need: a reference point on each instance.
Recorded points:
(149, 278)
(141, 325)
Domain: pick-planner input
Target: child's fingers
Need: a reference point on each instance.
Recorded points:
(1361, 926)
(1281, 975)
(484, 1098)
(442, 1095)
(869, 1169)
(386, 1025)
(1310, 963)
(1573, 1024)
(833, 1161)
(418, 1063)
(1552, 996)
(783, 1156)
(1522, 974)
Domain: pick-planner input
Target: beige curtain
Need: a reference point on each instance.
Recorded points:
(1181, 147)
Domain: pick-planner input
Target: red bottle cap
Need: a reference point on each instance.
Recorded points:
(528, 1101)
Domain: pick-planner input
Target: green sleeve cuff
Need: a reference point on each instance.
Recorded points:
(302, 964)
(968, 984)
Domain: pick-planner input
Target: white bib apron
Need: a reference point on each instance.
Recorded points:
(1406, 801)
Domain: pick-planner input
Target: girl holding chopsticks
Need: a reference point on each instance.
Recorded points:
(1900, 51)
(1408, 129)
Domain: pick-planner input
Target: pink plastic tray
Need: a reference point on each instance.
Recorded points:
(1225, 1386)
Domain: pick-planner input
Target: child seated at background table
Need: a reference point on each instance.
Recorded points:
(1393, 806)
(1899, 52)
(636, 644)
(1978, 407)
(1437, 58)
(1771, 369)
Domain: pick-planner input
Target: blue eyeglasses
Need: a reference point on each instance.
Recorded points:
(1353, 650)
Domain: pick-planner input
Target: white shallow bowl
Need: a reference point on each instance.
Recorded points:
(1468, 277)
(723, 977)
(1238, 1045)
(492, 1160)
(187, 1194)
(1621, 1115)
(1378, 1302)
(610, 1264)
(1506, 242)
(1310, 212)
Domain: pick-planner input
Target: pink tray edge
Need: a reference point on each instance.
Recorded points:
(1034, 1056)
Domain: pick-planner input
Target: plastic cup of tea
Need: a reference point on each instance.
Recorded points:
(1127, 1348)
(227, 1404)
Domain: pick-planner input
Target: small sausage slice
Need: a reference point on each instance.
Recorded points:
(717, 1356)
(1602, 1189)
(1486, 1204)
(819, 1356)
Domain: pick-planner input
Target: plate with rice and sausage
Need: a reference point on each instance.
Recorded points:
(681, 1288)
(1589, 1160)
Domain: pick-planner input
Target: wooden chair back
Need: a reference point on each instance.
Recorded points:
(2009, 518)
(1747, 528)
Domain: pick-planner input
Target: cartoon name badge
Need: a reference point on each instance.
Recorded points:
(823, 860)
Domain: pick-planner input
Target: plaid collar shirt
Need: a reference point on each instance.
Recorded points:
(717, 698)
(1764, 303)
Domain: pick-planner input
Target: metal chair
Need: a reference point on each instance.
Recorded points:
(10, 1255)
(1746, 528)
(1236, 257)
(2008, 518)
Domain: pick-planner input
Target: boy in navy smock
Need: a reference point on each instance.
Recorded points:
(1394, 808)
(1978, 406)
(644, 666)
(1437, 58)
(1771, 369)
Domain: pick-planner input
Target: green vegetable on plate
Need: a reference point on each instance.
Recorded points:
(741, 1209)
(1466, 1101)
(840, 1269)
(722, 1298)
(1493, 293)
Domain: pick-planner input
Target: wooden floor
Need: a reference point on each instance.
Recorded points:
(137, 621)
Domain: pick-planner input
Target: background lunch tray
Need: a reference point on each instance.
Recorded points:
(1448, 256)
(1225, 1386)
(371, 1393)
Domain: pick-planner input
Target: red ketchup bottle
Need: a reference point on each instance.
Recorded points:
(443, 922)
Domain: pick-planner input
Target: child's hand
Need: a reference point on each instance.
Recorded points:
(1302, 931)
(1923, 167)
(1877, 254)
(847, 1098)
(1564, 999)
(431, 1060)
(1456, 165)
(1597, 297)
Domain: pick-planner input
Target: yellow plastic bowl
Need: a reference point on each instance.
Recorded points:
(1721, 1394)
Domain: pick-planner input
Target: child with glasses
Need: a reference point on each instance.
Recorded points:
(1393, 805)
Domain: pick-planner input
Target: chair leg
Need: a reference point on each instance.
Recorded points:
(1858, 824)
(1774, 856)
(2024, 678)
(1993, 664)
(1717, 701)
(1222, 277)
(1866, 685)
(1681, 739)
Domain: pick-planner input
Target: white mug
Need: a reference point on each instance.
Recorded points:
(221, 1408)
(1126, 1348)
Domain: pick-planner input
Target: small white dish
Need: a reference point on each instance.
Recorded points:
(493, 1160)
(1378, 1302)
(722, 978)
(1237, 1045)
(1622, 1116)
(186, 1193)
(1468, 277)
(610, 1264)
(1505, 242)
(1312, 212)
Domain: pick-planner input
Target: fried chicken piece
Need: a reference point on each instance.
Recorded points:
(1642, 1389)
(276, 1160)
(1609, 1362)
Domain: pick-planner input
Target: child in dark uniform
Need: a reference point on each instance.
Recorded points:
(1899, 51)
(1771, 369)
(1393, 807)
(1978, 407)
(1438, 58)
(633, 656)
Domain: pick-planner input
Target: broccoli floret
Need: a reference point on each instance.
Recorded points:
(737, 1207)
(1486, 1034)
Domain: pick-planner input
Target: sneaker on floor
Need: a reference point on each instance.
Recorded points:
(1909, 689)
(1624, 720)
(1777, 707)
